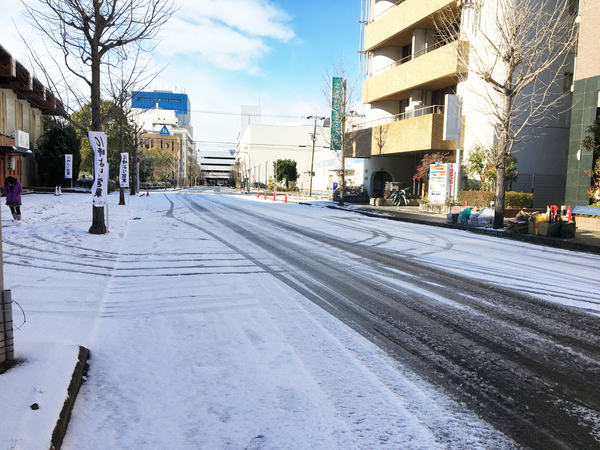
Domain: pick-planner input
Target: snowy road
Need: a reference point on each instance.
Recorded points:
(205, 316)
(529, 366)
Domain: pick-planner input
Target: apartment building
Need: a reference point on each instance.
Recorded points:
(410, 67)
(586, 102)
(23, 101)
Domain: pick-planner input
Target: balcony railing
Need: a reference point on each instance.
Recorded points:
(386, 11)
(426, 110)
(407, 58)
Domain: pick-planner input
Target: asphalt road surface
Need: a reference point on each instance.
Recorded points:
(528, 366)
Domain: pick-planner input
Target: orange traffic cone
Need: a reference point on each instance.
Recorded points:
(258, 193)
(265, 194)
(466, 204)
(274, 196)
(569, 215)
(147, 192)
(285, 199)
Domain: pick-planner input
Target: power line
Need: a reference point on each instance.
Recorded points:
(226, 113)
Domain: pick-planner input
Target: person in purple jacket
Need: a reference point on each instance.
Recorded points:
(12, 192)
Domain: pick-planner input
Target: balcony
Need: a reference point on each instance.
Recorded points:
(430, 71)
(419, 130)
(385, 29)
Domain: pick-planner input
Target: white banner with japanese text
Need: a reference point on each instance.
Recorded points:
(100, 186)
(124, 170)
(68, 166)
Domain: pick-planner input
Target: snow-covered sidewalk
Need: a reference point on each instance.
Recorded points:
(193, 346)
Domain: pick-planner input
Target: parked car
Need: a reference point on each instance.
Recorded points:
(258, 185)
(87, 183)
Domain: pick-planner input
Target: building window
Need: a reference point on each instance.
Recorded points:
(574, 7)
(568, 81)
(439, 97)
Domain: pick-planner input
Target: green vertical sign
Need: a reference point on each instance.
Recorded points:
(338, 90)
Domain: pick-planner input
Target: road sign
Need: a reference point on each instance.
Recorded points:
(164, 131)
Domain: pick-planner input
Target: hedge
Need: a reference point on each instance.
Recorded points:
(518, 200)
(482, 199)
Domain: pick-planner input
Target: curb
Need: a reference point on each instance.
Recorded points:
(523, 237)
(78, 378)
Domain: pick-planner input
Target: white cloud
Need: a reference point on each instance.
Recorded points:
(254, 17)
(231, 35)
(223, 47)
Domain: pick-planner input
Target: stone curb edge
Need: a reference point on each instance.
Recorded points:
(540, 240)
(77, 379)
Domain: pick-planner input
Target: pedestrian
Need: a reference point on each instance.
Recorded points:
(12, 191)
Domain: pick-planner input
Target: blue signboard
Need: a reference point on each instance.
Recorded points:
(164, 131)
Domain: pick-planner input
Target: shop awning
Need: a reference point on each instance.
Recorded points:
(13, 149)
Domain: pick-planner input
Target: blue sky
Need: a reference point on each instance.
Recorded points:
(280, 63)
(225, 54)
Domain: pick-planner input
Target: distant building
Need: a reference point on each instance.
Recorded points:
(180, 103)
(262, 145)
(249, 115)
(216, 167)
(23, 102)
(160, 129)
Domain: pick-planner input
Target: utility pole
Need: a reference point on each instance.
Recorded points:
(312, 161)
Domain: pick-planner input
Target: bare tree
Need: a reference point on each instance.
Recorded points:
(341, 98)
(92, 37)
(516, 52)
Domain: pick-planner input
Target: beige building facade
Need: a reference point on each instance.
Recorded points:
(23, 102)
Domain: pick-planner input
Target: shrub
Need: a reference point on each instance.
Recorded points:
(481, 199)
(518, 199)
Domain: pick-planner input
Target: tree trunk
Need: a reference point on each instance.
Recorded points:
(343, 182)
(500, 194)
(503, 150)
(121, 196)
(98, 225)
